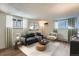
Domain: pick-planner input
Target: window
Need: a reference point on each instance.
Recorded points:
(62, 24)
(77, 24)
(17, 23)
(56, 25)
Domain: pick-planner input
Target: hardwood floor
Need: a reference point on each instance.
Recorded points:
(11, 52)
(62, 50)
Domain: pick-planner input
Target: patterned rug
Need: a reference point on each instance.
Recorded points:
(51, 49)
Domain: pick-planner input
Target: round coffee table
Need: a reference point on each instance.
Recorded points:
(40, 47)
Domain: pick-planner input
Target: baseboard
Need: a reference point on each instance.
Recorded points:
(61, 41)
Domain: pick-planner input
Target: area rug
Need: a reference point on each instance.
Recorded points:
(32, 51)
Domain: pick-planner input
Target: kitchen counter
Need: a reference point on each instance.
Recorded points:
(75, 39)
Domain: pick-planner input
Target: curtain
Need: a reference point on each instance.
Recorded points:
(8, 38)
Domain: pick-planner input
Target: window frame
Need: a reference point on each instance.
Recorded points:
(16, 22)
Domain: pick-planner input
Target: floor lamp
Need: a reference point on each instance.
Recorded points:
(42, 25)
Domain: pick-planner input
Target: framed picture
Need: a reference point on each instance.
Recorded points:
(34, 26)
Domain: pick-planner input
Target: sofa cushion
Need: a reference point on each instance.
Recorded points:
(31, 40)
(39, 34)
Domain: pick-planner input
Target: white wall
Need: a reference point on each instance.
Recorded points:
(25, 23)
(9, 22)
(6, 22)
(2, 30)
(46, 29)
(14, 31)
(9, 25)
(63, 34)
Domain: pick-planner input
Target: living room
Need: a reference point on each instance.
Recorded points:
(37, 29)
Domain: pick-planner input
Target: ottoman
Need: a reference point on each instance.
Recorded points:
(40, 47)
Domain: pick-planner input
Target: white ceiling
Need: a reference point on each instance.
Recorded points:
(42, 10)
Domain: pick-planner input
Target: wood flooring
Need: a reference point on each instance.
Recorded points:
(64, 47)
(11, 52)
